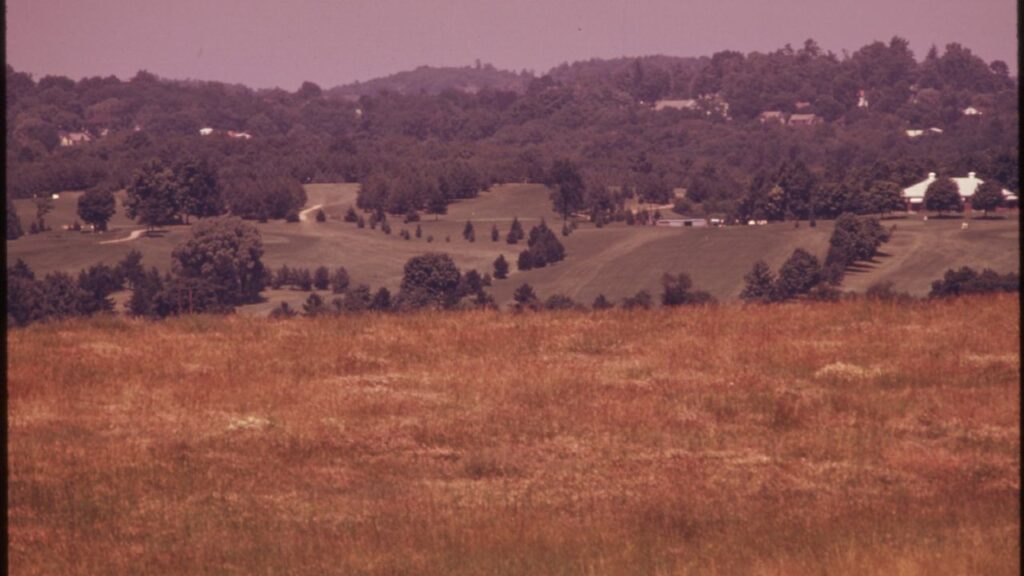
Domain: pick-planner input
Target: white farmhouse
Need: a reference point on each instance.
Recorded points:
(914, 195)
(205, 131)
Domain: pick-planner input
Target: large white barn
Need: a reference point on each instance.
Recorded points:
(914, 195)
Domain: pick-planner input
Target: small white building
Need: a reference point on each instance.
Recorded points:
(862, 99)
(914, 195)
(916, 133)
(682, 222)
(74, 138)
(241, 135)
(971, 111)
(675, 104)
(205, 131)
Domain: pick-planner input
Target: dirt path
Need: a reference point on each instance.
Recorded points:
(133, 236)
(304, 216)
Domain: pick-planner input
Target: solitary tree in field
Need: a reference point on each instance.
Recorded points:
(152, 196)
(987, 197)
(469, 233)
(321, 216)
(226, 252)
(430, 280)
(96, 207)
(759, 283)
(501, 267)
(495, 235)
(943, 195)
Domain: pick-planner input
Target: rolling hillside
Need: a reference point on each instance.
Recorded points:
(616, 261)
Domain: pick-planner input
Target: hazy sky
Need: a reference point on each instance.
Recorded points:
(266, 43)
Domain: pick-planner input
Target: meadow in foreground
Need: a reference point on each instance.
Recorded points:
(844, 438)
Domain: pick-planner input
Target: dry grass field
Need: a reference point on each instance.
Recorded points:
(852, 438)
(616, 261)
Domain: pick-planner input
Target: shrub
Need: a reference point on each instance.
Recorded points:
(525, 298)
(282, 311)
(601, 303)
(351, 215)
(339, 280)
(676, 291)
(759, 284)
(967, 281)
(320, 216)
(641, 299)
(560, 302)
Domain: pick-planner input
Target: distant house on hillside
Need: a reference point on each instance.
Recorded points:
(862, 99)
(241, 135)
(914, 195)
(74, 138)
(971, 111)
(205, 131)
(804, 120)
(771, 116)
(802, 105)
(675, 104)
(917, 133)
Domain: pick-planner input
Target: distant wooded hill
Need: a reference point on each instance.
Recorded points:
(731, 128)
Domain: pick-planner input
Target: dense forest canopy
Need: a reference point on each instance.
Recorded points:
(427, 137)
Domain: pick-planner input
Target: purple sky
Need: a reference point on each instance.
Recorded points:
(264, 43)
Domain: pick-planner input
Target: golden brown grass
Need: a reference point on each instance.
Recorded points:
(852, 438)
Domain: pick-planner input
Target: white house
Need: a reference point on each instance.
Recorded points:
(971, 111)
(914, 195)
(915, 133)
(205, 131)
(676, 104)
(74, 138)
(242, 135)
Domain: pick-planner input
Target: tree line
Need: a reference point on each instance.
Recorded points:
(431, 148)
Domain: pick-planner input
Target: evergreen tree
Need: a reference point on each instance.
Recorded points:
(321, 278)
(495, 235)
(314, 305)
(515, 232)
(525, 298)
(468, 232)
(759, 283)
(500, 267)
(340, 280)
(601, 303)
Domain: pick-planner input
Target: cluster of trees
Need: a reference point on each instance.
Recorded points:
(677, 290)
(589, 119)
(543, 248)
(966, 280)
(853, 240)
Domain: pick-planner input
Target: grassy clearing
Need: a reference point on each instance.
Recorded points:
(616, 261)
(799, 439)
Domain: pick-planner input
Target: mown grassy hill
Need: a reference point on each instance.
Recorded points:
(850, 438)
(616, 261)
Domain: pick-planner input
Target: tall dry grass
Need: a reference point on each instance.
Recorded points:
(851, 438)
